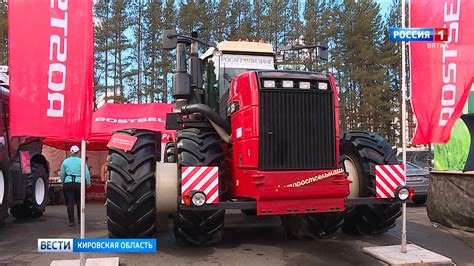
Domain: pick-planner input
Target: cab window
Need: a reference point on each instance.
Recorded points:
(211, 83)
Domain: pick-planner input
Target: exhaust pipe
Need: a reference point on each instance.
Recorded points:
(224, 136)
(209, 113)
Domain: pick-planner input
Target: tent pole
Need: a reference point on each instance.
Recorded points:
(83, 196)
(404, 137)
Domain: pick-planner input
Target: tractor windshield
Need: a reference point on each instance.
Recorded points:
(219, 71)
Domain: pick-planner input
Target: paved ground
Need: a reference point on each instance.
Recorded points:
(247, 241)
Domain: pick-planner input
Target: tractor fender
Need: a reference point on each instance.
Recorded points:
(166, 193)
(19, 180)
(39, 158)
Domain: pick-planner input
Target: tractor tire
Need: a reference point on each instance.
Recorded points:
(198, 147)
(313, 225)
(4, 191)
(360, 152)
(170, 153)
(36, 197)
(131, 211)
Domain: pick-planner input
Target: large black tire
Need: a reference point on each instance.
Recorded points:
(36, 197)
(131, 209)
(364, 150)
(313, 225)
(198, 147)
(170, 153)
(4, 191)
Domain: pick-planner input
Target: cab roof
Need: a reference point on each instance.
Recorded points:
(243, 47)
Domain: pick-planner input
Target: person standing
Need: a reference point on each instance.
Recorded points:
(71, 179)
(104, 176)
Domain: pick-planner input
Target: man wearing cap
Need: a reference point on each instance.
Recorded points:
(71, 178)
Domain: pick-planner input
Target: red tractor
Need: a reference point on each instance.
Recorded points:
(263, 141)
(23, 169)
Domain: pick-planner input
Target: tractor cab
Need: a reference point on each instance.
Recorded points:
(233, 58)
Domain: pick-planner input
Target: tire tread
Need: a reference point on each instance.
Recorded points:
(198, 147)
(131, 188)
(370, 149)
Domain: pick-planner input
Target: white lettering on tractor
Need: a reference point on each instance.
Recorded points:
(315, 178)
(57, 57)
(448, 91)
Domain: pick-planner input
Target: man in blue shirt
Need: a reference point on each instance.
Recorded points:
(71, 178)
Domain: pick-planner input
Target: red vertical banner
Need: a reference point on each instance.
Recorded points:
(51, 68)
(441, 72)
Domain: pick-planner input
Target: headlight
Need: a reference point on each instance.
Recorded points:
(198, 198)
(269, 83)
(402, 193)
(322, 86)
(287, 84)
(305, 85)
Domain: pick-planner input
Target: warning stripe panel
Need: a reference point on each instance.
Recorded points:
(387, 179)
(196, 179)
(185, 174)
(384, 189)
(201, 178)
(396, 176)
(193, 176)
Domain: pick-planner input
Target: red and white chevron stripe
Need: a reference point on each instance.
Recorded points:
(387, 179)
(201, 178)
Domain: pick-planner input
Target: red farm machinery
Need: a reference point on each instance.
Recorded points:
(24, 170)
(253, 138)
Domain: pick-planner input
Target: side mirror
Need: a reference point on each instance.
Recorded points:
(323, 50)
(170, 39)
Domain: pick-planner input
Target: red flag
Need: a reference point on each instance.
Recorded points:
(51, 68)
(441, 73)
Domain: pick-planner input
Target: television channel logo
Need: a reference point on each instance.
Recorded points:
(419, 34)
(55, 245)
(96, 245)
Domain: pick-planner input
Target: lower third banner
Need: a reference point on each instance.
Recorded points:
(96, 245)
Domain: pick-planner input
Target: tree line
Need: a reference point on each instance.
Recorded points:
(131, 66)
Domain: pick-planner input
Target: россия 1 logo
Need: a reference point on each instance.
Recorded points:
(419, 34)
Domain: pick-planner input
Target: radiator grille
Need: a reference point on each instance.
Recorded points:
(297, 130)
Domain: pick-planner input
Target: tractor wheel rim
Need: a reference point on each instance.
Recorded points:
(353, 176)
(2, 187)
(39, 191)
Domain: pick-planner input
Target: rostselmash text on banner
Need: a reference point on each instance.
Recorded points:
(51, 49)
(441, 72)
(96, 245)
